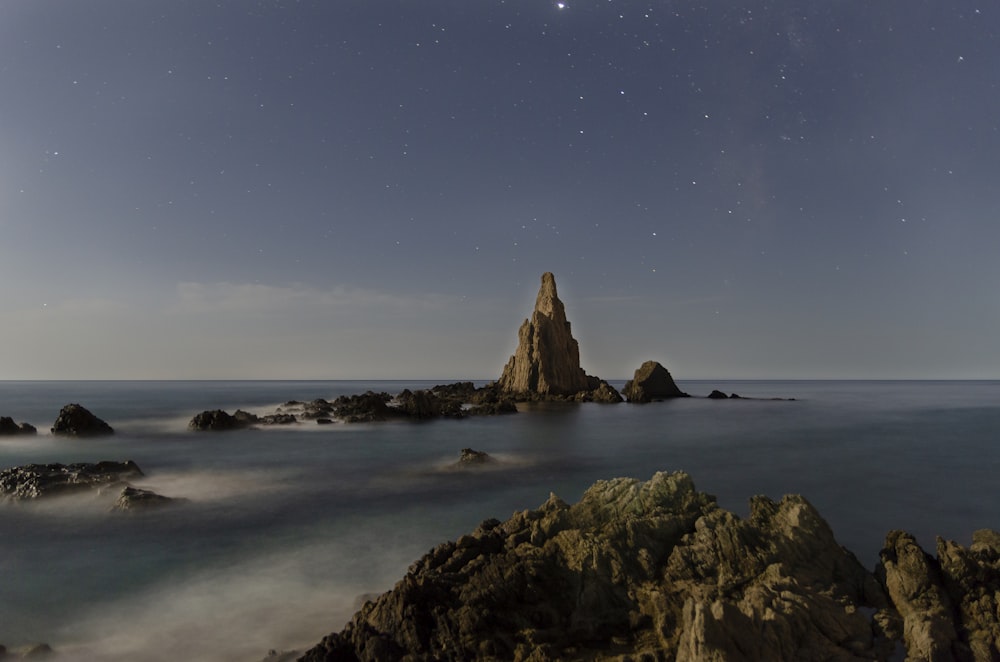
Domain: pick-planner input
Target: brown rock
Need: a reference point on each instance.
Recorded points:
(636, 570)
(547, 359)
(651, 382)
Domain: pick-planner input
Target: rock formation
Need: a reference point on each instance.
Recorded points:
(456, 400)
(132, 499)
(76, 421)
(10, 428)
(657, 571)
(649, 569)
(472, 458)
(651, 382)
(547, 359)
(33, 481)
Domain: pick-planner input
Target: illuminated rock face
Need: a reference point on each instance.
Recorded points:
(547, 360)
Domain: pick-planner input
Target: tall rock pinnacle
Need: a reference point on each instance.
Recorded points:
(547, 360)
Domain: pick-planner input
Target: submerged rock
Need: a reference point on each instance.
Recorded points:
(649, 569)
(471, 457)
(133, 498)
(219, 420)
(651, 381)
(77, 421)
(33, 481)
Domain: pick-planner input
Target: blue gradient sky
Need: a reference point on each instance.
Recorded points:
(372, 189)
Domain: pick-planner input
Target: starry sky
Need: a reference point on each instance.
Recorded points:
(369, 189)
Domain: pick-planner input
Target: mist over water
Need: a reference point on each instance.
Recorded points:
(282, 529)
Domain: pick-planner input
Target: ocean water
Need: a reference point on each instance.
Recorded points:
(284, 529)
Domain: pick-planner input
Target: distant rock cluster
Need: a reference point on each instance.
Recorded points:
(656, 570)
(458, 400)
(73, 421)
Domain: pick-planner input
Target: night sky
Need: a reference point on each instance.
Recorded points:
(373, 188)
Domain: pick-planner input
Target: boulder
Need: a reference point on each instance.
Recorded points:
(717, 395)
(33, 481)
(364, 408)
(9, 428)
(601, 392)
(218, 420)
(650, 382)
(503, 406)
(133, 499)
(547, 359)
(650, 570)
(277, 419)
(471, 457)
(76, 421)
(424, 404)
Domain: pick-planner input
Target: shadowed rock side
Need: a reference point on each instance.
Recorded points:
(76, 421)
(651, 382)
(547, 359)
(9, 427)
(654, 570)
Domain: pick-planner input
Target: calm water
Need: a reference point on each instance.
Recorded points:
(284, 528)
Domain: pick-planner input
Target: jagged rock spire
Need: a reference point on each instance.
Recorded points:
(547, 360)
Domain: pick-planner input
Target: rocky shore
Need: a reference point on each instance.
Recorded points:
(655, 571)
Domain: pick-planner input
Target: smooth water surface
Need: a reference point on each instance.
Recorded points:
(284, 528)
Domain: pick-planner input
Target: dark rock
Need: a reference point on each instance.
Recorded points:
(602, 392)
(318, 408)
(33, 481)
(324, 421)
(650, 382)
(278, 419)
(218, 420)
(653, 569)
(735, 396)
(281, 656)
(245, 419)
(427, 404)
(461, 391)
(9, 428)
(717, 395)
(504, 406)
(75, 420)
(133, 498)
(365, 408)
(472, 457)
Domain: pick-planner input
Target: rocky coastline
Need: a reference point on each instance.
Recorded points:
(655, 570)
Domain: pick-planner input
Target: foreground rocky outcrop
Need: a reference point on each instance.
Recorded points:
(657, 571)
(33, 481)
(546, 363)
(651, 382)
(77, 421)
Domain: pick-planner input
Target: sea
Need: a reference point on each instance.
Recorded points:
(284, 530)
